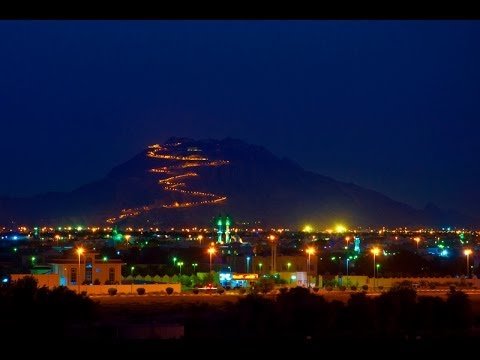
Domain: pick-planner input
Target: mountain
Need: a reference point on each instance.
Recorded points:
(189, 182)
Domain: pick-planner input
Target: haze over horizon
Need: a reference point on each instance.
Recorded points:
(388, 105)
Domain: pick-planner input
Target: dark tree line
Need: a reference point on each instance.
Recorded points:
(38, 313)
(300, 315)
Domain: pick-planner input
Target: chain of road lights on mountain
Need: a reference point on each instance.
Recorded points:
(173, 183)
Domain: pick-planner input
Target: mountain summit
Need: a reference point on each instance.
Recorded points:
(188, 182)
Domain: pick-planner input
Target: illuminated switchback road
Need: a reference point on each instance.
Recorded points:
(180, 171)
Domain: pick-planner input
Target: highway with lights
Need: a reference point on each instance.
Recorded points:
(177, 174)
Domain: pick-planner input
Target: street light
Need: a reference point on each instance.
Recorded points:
(310, 251)
(180, 264)
(211, 250)
(417, 240)
(248, 264)
(260, 267)
(375, 251)
(194, 265)
(467, 253)
(131, 274)
(80, 251)
(174, 261)
(348, 259)
(273, 259)
(289, 264)
(347, 239)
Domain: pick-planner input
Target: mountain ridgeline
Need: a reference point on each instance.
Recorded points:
(189, 182)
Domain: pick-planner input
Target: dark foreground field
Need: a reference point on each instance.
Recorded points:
(176, 302)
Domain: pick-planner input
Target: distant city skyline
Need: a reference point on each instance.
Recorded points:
(388, 105)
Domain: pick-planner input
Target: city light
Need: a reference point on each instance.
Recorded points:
(417, 240)
(310, 251)
(307, 229)
(174, 182)
(339, 228)
(211, 251)
(375, 251)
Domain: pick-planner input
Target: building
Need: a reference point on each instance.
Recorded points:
(89, 270)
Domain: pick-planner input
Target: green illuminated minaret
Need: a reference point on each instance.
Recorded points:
(228, 222)
(219, 230)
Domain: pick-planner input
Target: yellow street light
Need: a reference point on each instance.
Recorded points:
(375, 251)
(467, 253)
(273, 257)
(417, 240)
(79, 252)
(310, 251)
(211, 251)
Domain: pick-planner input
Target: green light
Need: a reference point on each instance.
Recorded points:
(219, 222)
(378, 265)
(59, 228)
(35, 228)
(132, 268)
(33, 258)
(79, 228)
(333, 258)
(105, 258)
(15, 249)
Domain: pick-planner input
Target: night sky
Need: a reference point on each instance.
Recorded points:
(392, 106)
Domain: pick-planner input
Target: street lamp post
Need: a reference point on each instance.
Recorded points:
(180, 264)
(375, 251)
(248, 264)
(467, 253)
(194, 265)
(80, 251)
(310, 251)
(211, 251)
(273, 259)
(131, 274)
(348, 259)
(260, 267)
(417, 240)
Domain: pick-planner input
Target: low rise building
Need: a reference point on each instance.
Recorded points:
(87, 269)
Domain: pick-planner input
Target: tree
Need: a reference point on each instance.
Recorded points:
(265, 285)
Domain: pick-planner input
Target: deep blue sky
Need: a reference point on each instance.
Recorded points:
(393, 106)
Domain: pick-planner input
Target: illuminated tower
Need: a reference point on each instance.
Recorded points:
(357, 244)
(227, 229)
(219, 230)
